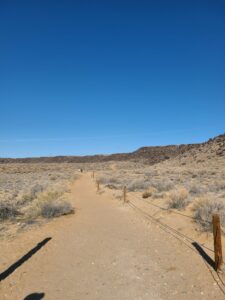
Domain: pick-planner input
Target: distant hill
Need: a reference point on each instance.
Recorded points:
(213, 148)
(151, 155)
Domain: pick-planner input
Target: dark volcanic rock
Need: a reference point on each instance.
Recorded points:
(151, 155)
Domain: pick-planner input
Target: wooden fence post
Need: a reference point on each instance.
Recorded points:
(217, 242)
(98, 185)
(125, 194)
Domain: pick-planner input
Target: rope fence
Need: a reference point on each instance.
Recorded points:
(187, 241)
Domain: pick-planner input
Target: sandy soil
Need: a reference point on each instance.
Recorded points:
(107, 250)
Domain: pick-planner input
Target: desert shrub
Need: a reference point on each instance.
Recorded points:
(34, 191)
(2, 182)
(7, 211)
(149, 192)
(204, 208)
(163, 186)
(151, 173)
(217, 186)
(57, 208)
(195, 189)
(37, 188)
(178, 198)
(108, 180)
(49, 204)
(137, 185)
(25, 199)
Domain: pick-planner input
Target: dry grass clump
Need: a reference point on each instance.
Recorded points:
(31, 195)
(204, 208)
(137, 185)
(149, 192)
(195, 189)
(111, 182)
(179, 180)
(217, 186)
(49, 204)
(178, 198)
(57, 208)
(163, 185)
(7, 211)
(29, 191)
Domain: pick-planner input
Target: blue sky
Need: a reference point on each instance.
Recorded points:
(85, 77)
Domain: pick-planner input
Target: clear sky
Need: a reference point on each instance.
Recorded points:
(84, 77)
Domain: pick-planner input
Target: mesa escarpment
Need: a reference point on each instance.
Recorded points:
(153, 154)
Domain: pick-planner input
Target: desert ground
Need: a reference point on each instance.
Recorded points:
(63, 238)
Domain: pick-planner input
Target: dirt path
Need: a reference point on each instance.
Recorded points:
(104, 251)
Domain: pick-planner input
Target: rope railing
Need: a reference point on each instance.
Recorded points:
(176, 212)
(186, 240)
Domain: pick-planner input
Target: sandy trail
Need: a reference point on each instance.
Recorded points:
(104, 251)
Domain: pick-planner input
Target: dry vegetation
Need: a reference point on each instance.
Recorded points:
(30, 193)
(192, 181)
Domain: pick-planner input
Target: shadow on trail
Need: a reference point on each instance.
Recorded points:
(35, 296)
(23, 259)
(204, 255)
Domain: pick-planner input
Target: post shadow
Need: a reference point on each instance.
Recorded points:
(35, 296)
(204, 255)
(23, 259)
